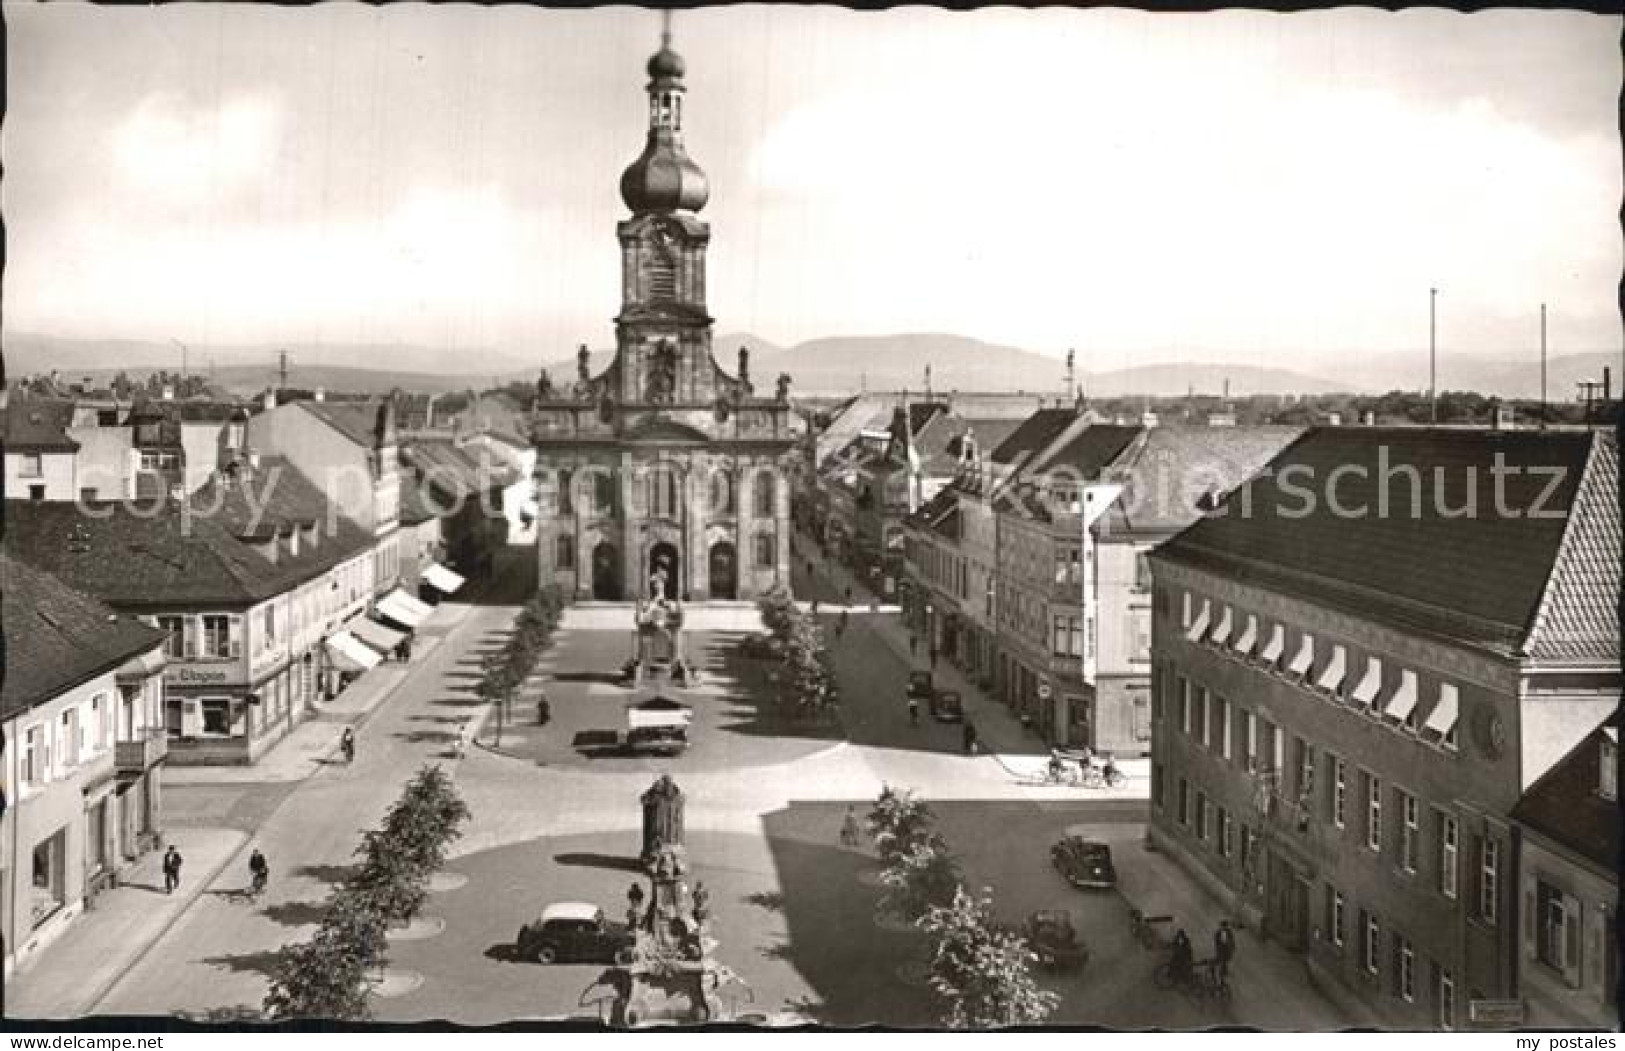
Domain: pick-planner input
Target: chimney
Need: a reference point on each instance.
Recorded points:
(1607, 384)
(1503, 417)
(1370, 418)
(269, 400)
(168, 392)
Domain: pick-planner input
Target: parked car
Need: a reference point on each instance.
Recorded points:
(657, 740)
(1053, 939)
(1084, 863)
(946, 707)
(575, 932)
(919, 685)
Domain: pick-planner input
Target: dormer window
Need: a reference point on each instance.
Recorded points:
(1608, 768)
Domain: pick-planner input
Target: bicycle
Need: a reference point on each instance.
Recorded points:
(1201, 981)
(1147, 929)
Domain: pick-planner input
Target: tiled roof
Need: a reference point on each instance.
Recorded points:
(57, 637)
(271, 501)
(458, 471)
(1090, 453)
(38, 425)
(1426, 563)
(1565, 806)
(1173, 473)
(1034, 433)
(357, 421)
(128, 556)
(1578, 620)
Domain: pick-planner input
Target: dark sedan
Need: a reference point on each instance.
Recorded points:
(1084, 863)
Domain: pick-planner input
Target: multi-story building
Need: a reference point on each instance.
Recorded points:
(79, 704)
(1568, 873)
(41, 458)
(472, 486)
(663, 472)
(1363, 658)
(351, 452)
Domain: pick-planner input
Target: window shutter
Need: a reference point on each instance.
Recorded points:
(234, 635)
(191, 718)
(1529, 918)
(189, 633)
(1571, 940)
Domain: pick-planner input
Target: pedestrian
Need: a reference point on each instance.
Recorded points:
(849, 829)
(259, 872)
(848, 594)
(914, 711)
(1224, 947)
(969, 735)
(347, 745)
(1180, 962)
(172, 869)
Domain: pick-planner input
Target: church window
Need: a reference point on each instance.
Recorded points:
(566, 499)
(764, 550)
(662, 275)
(762, 494)
(722, 493)
(564, 552)
(663, 494)
(603, 493)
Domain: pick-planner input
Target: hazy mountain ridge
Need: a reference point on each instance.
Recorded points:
(832, 365)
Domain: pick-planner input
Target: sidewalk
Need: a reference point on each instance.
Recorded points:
(115, 931)
(311, 744)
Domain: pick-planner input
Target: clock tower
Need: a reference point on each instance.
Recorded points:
(663, 473)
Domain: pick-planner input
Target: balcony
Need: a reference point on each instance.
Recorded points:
(133, 758)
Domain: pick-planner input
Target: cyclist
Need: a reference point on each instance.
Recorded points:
(1179, 964)
(258, 872)
(1110, 773)
(347, 745)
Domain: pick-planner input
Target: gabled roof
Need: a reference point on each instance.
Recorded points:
(1578, 619)
(454, 469)
(272, 500)
(1034, 433)
(57, 637)
(38, 425)
(1089, 454)
(1564, 805)
(357, 421)
(1173, 474)
(1427, 563)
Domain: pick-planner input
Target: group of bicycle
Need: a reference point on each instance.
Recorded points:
(1207, 978)
(1082, 770)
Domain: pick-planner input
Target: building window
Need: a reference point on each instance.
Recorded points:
(217, 637)
(30, 466)
(68, 738)
(1404, 969)
(722, 494)
(662, 493)
(1339, 790)
(1184, 705)
(1336, 915)
(566, 496)
(1252, 740)
(1305, 753)
(1202, 806)
(603, 493)
(1373, 812)
(1159, 775)
(175, 645)
(1222, 721)
(1227, 833)
(1161, 675)
(564, 552)
(762, 490)
(1410, 833)
(1184, 802)
(1608, 770)
(49, 866)
(1557, 931)
(1444, 997)
(1489, 874)
(1200, 716)
(36, 756)
(1060, 636)
(216, 718)
(1448, 833)
(763, 543)
(1370, 938)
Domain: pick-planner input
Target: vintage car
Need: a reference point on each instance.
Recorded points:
(919, 685)
(1084, 863)
(947, 707)
(575, 932)
(657, 740)
(1053, 939)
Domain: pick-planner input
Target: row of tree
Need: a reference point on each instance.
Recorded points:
(806, 670)
(506, 671)
(980, 969)
(326, 977)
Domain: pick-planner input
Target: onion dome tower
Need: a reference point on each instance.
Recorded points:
(664, 179)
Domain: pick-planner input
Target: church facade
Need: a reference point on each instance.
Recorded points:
(663, 475)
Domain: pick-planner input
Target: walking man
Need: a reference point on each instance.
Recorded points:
(172, 869)
(970, 737)
(1224, 947)
(849, 829)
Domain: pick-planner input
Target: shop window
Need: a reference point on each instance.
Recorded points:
(46, 884)
(216, 718)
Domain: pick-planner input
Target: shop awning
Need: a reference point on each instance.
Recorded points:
(403, 609)
(349, 653)
(442, 579)
(1276, 646)
(141, 667)
(1370, 683)
(376, 635)
(1198, 626)
(1306, 656)
(1332, 677)
(1442, 719)
(1249, 636)
(1403, 701)
(1221, 631)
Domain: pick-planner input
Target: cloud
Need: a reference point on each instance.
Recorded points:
(181, 148)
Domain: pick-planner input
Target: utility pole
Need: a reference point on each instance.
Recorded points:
(1543, 366)
(282, 370)
(1433, 356)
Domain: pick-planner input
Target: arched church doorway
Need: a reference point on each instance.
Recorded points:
(606, 572)
(665, 571)
(724, 571)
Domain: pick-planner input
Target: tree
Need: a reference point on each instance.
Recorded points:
(319, 979)
(391, 880)
(923, 877)
(897, 822)
(426, 819)
(982, 972)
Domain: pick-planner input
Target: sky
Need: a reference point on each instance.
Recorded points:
(1245, 187)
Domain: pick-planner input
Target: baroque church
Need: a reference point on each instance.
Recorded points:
(663, 475)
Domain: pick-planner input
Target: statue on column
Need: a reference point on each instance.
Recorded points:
(745, 388)
(583, 387)
(783, 393)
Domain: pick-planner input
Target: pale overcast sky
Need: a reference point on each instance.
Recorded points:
(1239, 186)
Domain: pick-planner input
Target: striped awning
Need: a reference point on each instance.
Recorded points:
(141, 667)
(1198, 626)
(1276, 646)
(442, 579)
(349, 653)
(1249, 636)
(1442, 719)
(1221, 631)
(1403, 702)
(381, 638)
(403, 609)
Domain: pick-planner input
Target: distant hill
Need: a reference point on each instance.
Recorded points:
(843, 363)
(1202, 378)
